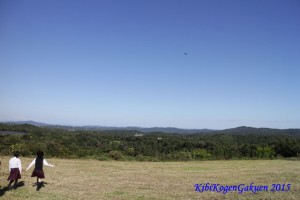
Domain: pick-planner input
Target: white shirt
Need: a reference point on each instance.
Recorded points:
(15, 163)
(44, 162)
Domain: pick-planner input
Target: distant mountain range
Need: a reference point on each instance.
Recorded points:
(152, 129)
(242, 130)
(142, 129)
(28, 122)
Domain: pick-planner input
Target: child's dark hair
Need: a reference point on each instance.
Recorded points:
(40, 154)
(16, 154)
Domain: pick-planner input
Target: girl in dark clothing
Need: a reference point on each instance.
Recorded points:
(39, 161)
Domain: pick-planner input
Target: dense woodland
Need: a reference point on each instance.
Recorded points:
(239, 143)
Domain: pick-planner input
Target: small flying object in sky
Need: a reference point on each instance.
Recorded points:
(185, 53)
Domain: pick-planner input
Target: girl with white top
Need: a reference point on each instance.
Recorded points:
(15, 170)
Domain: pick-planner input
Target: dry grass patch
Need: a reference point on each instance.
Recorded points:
(92, 179)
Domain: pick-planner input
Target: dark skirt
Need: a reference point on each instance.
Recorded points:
(14, 174)
(38, 173)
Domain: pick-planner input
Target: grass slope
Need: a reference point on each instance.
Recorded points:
(91, 179)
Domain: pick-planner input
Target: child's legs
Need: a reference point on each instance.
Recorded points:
(9, 184)
(15, 183)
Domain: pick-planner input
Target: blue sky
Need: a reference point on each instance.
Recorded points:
(123, 63)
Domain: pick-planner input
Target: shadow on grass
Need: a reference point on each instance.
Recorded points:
(39, 185)
(14, 187)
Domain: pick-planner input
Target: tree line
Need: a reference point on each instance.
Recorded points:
(136, 145)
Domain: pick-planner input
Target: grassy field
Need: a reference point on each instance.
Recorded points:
(92, 179)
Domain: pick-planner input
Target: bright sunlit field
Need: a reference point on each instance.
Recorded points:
(92, 179)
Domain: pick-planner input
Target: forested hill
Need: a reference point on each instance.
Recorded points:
(237, 143)
(243, 130)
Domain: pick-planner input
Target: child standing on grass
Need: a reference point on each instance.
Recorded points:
(15, 170)
(39, 161)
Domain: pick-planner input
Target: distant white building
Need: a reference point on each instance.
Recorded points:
(138, 135)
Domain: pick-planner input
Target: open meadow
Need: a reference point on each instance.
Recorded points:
(92, 179)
